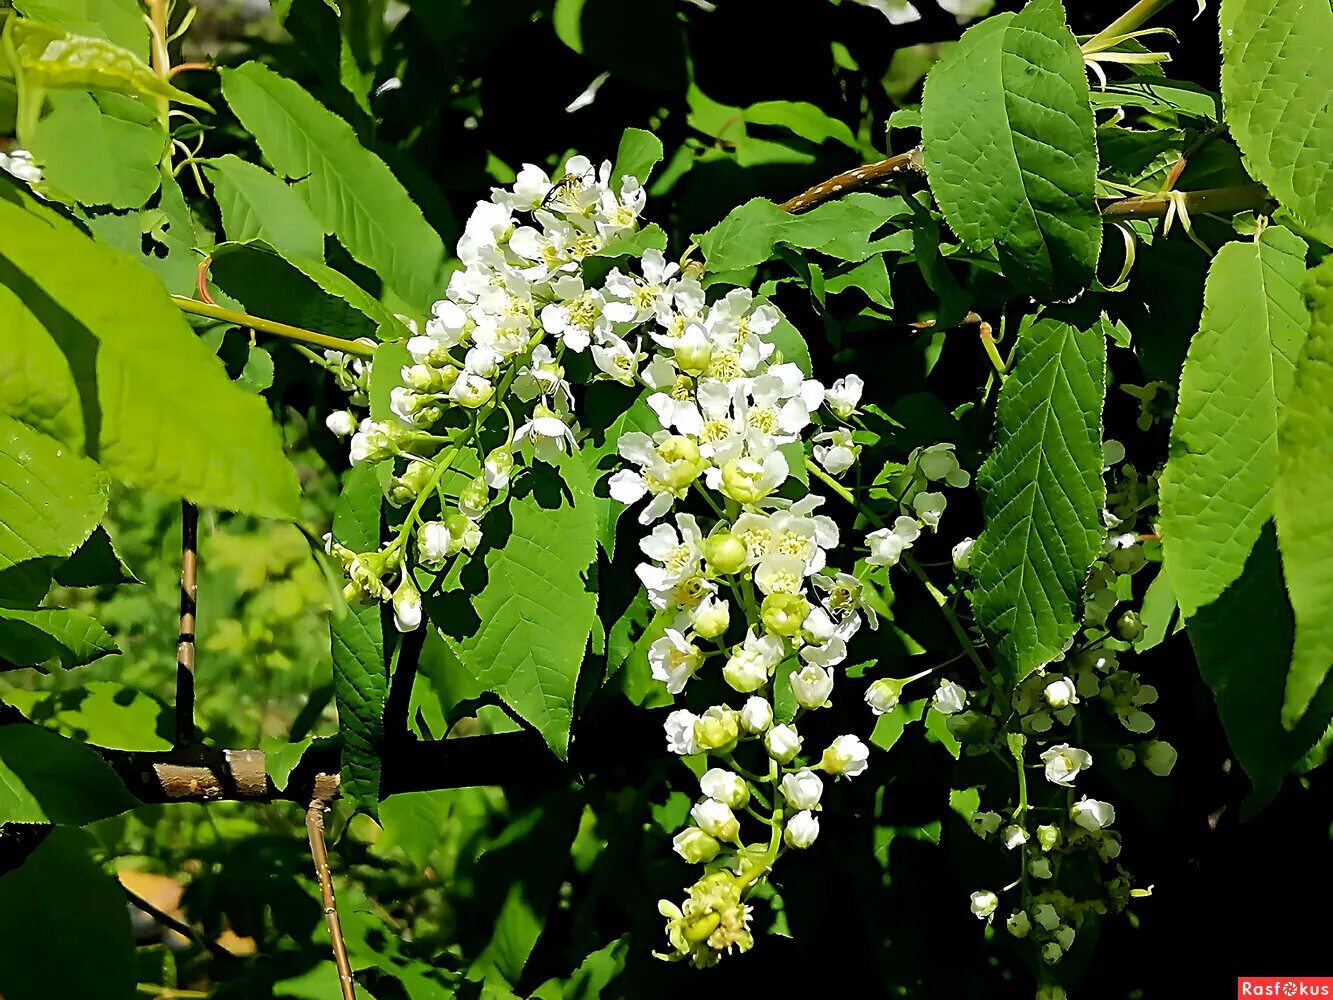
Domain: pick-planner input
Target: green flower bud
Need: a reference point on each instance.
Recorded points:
(1129, 627)
(743, 480)
(717, 729)
(684, 462)
(1048, 836)
(472, 499)
(695, 846)
(724, 552)
(883, 695)
(405, 488)
(784, 614)
(693, 357)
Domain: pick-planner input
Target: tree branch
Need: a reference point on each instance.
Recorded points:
(326, 789)
(185, 645)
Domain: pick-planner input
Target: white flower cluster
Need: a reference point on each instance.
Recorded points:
(495, 344)
(1043, 707)
(18, 163)
(749, 585)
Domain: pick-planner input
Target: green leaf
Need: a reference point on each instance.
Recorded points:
(52, 497)
(1216, 490)
(349, 188)
(38, 926)
(118, 21)
(529, 646)
(1245, 665)
(843, 228)
(788, 340)
(45, 778)
(36, 383)
(95, 563)
(1010, 153)
(32, 637)
(54, 58)
(639, 152)
(300, 291)
(360, 678)
(102, 713)
(598, 451)
(870, 276)
(1276, 78)
(802, 118)
(1301, 501)
(96, 157)
(257, 205)
(146, 383)
(281, 757)
(1043, 495)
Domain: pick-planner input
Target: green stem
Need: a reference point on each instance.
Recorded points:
(1129, 21)
(272, 327)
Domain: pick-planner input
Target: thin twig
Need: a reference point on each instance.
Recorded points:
(273, 327)
(326, 787)
(205, 66)
(854, 179)
(1210, 200)
(185, 645)
(179, 926)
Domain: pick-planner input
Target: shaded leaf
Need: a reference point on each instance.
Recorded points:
(45, 778)
(29, 637)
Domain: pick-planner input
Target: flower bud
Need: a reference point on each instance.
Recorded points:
(802, 789)
(883, 695)
(724, 786)
(693, 355)
(1159, 757)
(1046, 917)
(757, 715)
(986, 823)
(962, 554)
(1018, 924)
(684, 465)
(1064, 937)
(341, 423)
(1051, 953)
(743, 480)
(406, 606)
(1049, 836)
(724, 552)
(473, 497)
(1039, 868)
(811, 686)
(1060, 693)
(498, 467)
(802, 829)
(463, 533)
(1014, 836)
(983, 903)
(710, 617)
(784, 614)
(695, 846)
(716, 819)
(407, 487)
(433, 544)
(1092, 814)
(783, 743)
(717, 729)
(1128, 626)
(845, 755)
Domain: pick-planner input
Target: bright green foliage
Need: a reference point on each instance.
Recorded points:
(1218, 484)
(1008, 139)
(256, 205)
(639, 152)
(52, 500)
(49, 56)
(842, 229)
(38, 926)
(29, 638)
(100, 152)
(360, 681)
(45, 778)
(528, 648)
(118, 21)
(1301, 501)
(349, 188)
(1276, 78)
(131, 353)
(1043, 494)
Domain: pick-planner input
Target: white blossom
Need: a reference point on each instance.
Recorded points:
(680, 732)
(802, 829)
(802, 789)
(1063, 763)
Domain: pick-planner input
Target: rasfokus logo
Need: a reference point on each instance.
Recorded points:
(1284, 986)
